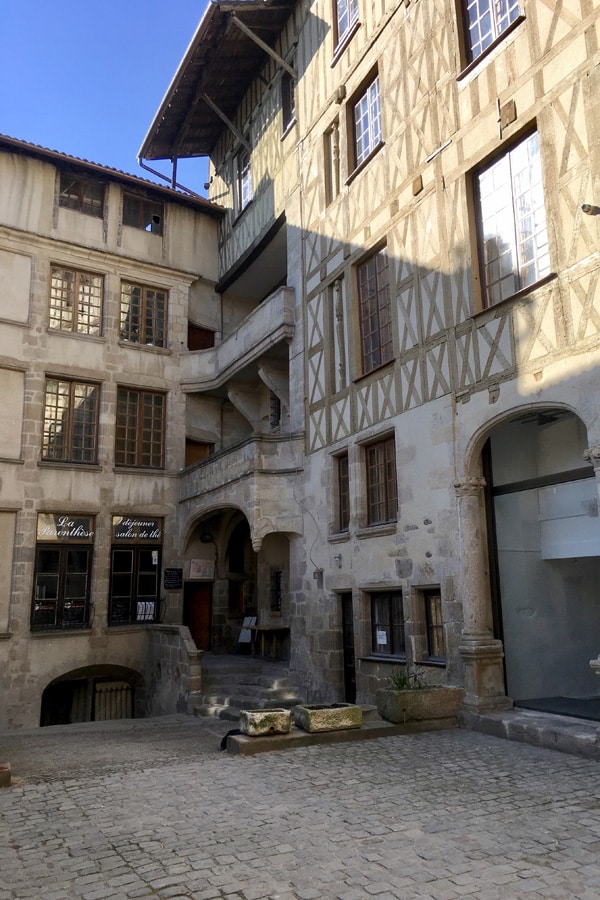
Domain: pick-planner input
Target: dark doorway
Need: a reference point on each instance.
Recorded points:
(348, 644)
(197, 612)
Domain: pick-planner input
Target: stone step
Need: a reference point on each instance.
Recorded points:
(252, 683)
(250, 701)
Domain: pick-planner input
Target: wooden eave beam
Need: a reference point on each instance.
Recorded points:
(254, 37)
(227, 121)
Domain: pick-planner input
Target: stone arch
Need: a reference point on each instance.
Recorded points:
(93, 693)
(482, 650)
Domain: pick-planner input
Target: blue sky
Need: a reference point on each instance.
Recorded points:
(86, 78)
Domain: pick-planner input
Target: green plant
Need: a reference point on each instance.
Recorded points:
(403, 680)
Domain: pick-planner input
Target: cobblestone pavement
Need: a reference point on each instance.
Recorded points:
(154, 809)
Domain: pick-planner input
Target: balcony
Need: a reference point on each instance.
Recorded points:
(271, 323)
(258, 475)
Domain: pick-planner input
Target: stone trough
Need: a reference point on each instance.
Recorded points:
(325, 717)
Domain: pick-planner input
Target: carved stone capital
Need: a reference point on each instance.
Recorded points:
(469, 487)
(592, 455)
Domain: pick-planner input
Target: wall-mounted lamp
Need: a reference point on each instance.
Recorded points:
(590, 210)
(338, 560)
(206, 538)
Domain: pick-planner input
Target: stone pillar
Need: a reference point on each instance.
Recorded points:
(482, 654)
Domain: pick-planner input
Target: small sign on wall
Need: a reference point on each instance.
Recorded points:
(202, 569)
(173, 579)
(382, 638)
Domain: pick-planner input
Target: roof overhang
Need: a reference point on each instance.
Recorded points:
(220, 63)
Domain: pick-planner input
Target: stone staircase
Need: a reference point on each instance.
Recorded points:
(231, 683)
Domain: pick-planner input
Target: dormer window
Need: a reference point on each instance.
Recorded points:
(82, 195)
(139, 212)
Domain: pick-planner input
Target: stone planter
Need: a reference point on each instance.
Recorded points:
(328, 717)
(441, 702)
(257, 722)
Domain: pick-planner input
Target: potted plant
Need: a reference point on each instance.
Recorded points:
(408, 698)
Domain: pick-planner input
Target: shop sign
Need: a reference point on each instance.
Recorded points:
(130, 528)
(61, 527)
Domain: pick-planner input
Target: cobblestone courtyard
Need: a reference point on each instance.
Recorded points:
(154, 809)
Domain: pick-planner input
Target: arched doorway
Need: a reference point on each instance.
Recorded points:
(92, 694)
(544, 534)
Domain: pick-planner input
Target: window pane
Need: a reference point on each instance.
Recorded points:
(382, 490)
(347, 15)
(84, 196)
(387, 622)
(343, 493)
(486, 20)
(435, 629)
(139, 212)
(375, 312)
(513, 222)
(367, 122)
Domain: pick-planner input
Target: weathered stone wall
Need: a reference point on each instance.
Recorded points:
(173, 670)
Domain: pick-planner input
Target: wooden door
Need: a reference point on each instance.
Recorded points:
(197, 611)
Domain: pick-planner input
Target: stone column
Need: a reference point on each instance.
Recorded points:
(482, 654)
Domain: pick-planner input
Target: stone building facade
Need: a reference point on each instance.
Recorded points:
(412, 194)
(378, 376)
(103, 277)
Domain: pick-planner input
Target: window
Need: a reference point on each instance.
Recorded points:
(387, 623)
(243, 180)
(343, 489)
(81, 195)
(199, 338)
(274, 411)
(275, 591)
(288, 100)
(63, 566)
(366, 121)
(346, 17)
(433, 623)
(135, 570)
(375, 311)
(139, 212)
(140, 437)
(143, 315)
(382, 489)
(486, 20)
(75, 301)
(512, 222)
(70, 421)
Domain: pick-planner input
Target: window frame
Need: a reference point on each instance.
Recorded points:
(342, 464)
(343, 32)
(151, 315)
(288, 101)
(395, 626)
(434, 630)
(374, 123)
(381, 481)
(497, 32)
(62, 535)
(82, 200)
(131, 453)
(244, 187)
(376, 345)
(77, 298)
(143, 213)
(88, 448)
(540, 262)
